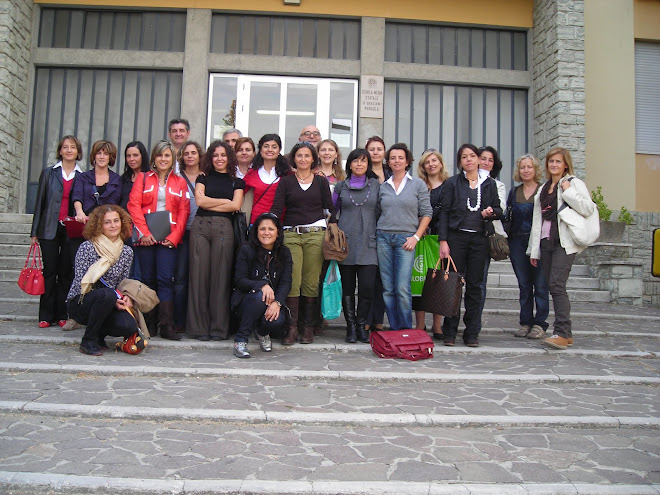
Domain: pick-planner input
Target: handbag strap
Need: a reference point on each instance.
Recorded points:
(30, 256)
(37, 253)
(450, 262)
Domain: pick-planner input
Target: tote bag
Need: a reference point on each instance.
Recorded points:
(443, 290)
(331, 295)
(31, 278)
(427, 253)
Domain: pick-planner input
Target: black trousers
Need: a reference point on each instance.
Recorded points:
(366, 282)
(469, 250)
(58, 274)
(97, 311)
(251, 315)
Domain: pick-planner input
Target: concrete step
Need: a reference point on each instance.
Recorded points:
(190, 418)
(510, 280)
(12, 262)
(24, 218)
(505, 267)
(14, 250)
(15, 228)
(9, 275)
(21, 239)
(581, 295)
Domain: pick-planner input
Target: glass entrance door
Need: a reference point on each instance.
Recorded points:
(259, 105)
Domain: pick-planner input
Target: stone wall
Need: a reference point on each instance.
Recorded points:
(558, 78)
(15, 44)
(640, 235)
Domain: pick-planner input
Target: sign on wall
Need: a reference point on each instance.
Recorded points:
(371, 96)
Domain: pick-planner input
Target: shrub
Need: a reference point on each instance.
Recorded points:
(603, 211)
(625, 216)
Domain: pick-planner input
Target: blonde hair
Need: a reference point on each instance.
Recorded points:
(337, 169)
(423, 174)
(566, 156)
(538, 173)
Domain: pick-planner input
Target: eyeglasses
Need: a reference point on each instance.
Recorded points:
(309, 134)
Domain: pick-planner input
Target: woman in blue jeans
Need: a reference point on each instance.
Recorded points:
(531, 282)
(406, 212)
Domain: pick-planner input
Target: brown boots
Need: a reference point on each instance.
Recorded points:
(292, 321)
(166, 321)
(308, 315)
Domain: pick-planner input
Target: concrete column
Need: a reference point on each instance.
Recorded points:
(558, 78)
(194, 98)
(372, 62)
(15, 44)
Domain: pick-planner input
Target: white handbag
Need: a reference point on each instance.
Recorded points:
(584, 230)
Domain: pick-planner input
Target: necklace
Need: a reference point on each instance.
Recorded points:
(350, 196)
(478, 205)
(300, 179)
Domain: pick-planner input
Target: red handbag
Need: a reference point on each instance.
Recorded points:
(31, 279)
(414, 344)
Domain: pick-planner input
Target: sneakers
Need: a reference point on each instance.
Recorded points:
(523, 331)
(557, 342)
(241, 350)
(536, 332)
(265, 343)
(569, 342)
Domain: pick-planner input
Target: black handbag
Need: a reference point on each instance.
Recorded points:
(443, 290)
(240, 227)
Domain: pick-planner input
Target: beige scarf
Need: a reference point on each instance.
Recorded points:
(109, 253)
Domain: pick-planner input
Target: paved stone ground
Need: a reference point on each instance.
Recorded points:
(187, 417)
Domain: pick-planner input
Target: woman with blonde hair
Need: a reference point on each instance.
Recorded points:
(330, 163)
(531, 282)
(431, 169)
(160, 190)
(102, 262)
(550, 240)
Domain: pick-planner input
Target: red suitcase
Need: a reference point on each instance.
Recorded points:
(411, 344)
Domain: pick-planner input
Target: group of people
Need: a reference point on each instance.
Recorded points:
(209, 284)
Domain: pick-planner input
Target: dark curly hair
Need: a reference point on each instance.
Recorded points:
(497, 163)
(94, 226)
(401, 147)
(207, 160)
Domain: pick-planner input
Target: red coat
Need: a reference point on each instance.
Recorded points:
(144, 199)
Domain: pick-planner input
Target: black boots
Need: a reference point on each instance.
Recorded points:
(348, 305)
(310, 312)
(364, 305)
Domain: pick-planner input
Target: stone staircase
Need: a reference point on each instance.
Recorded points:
(502, 283)
(509, 417)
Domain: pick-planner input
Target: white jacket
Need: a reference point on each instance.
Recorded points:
(577, 197)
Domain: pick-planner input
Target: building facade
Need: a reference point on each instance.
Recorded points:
(520, 75)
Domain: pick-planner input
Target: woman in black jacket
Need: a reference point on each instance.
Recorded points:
(467, 201)
(263, 281)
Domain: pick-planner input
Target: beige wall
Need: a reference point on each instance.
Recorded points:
(647, 170)
(515, 13)
(610, 100)
(647, 19)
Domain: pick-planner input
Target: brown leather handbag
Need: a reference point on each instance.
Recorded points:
(443, 290)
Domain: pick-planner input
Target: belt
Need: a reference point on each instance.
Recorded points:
(304, 230)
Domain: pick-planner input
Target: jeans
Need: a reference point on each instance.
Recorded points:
(469, 250)
(251, 315)
(531, 282)
(97, 311)
(157, 266)
(396, 266)
(556, 269)
(181, 281)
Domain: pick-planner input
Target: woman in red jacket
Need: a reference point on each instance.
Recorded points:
(160, 190)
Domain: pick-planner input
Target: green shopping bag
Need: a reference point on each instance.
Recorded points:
(331, 295)
(427, 253)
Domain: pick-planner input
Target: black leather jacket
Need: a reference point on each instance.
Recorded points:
(453, 203)
(250, 274)
(47, 206)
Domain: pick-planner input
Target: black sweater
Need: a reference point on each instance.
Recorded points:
(302, 207)
(453, 202)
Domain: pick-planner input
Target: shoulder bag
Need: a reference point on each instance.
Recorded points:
(443, 290)
(584, 230)
(31, 278)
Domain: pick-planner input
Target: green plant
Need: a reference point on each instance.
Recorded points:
(625, 216)
(603, 211)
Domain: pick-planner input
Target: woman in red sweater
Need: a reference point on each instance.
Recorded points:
(160, 190)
